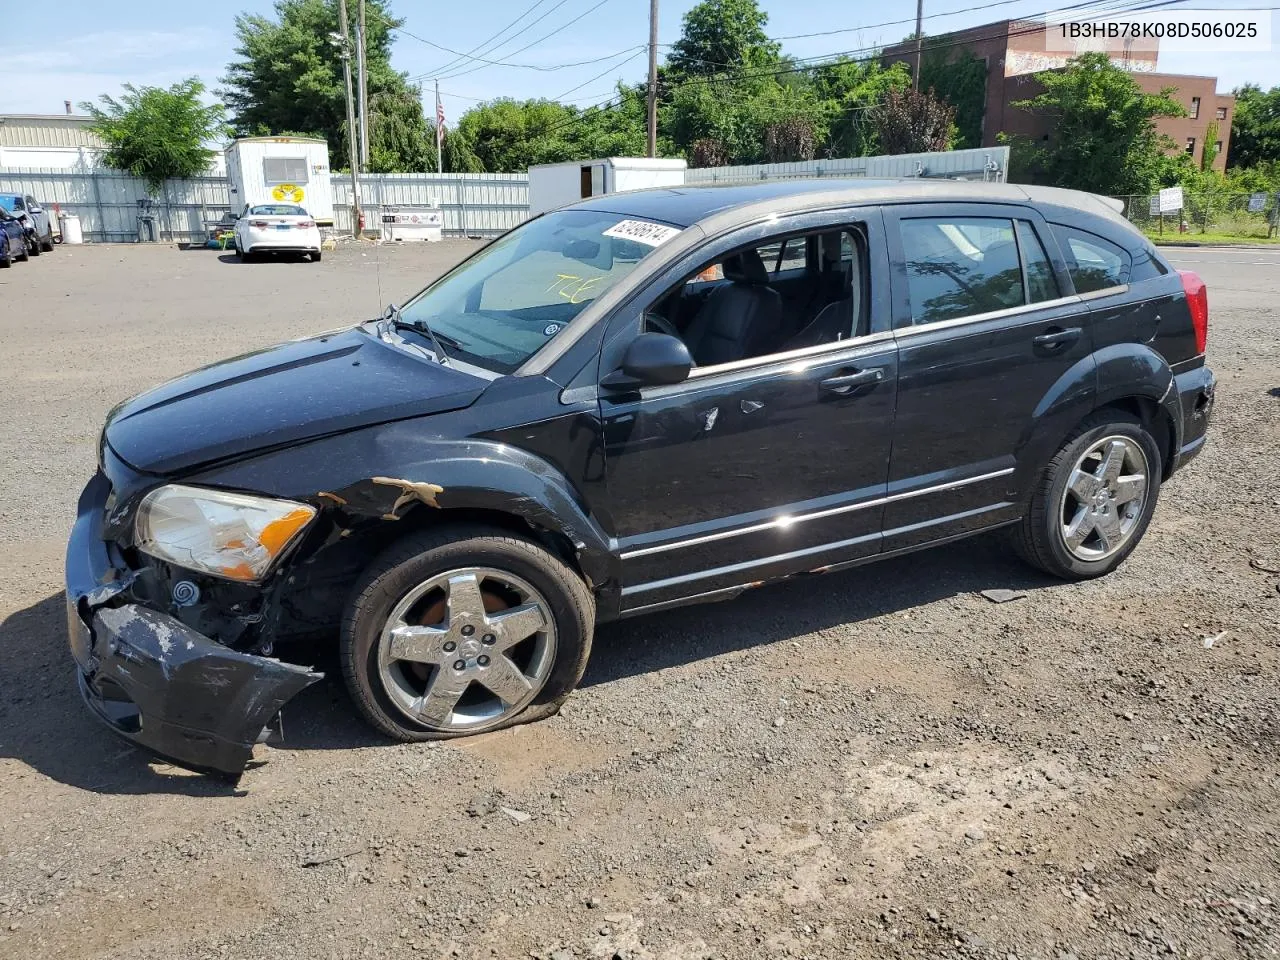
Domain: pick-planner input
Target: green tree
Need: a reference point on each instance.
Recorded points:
(288, 76)
(848, 92)
(1104, 135)
(157, 133)
(914, 121)
(960, 78)
(720, 34)
(1255, 128)
(1210, 151)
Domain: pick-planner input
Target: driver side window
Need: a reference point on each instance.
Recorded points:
(781, 294)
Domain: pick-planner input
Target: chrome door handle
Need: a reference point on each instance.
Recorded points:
(1056, 339)
(847, 383)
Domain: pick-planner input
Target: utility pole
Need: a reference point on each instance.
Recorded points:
(362, 39)
(915, 79)
(653, 79)
(351, 119)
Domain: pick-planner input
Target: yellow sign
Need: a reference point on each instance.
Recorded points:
(287, 191)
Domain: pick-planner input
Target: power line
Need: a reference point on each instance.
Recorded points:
(817, 62)
(1108, 6)
(831, 59)
(527, 46)
(458, 61)
(598, 75)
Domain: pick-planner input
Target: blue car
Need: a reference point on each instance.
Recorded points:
(13, 239)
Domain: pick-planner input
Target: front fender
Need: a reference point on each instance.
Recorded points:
(387, 472)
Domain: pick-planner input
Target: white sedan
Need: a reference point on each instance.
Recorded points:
(276, 228)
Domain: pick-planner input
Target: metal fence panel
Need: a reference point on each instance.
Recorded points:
(473, 204)
(106, 201)
(1225, 213)
(984, 163)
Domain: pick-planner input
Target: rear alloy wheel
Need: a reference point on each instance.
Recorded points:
(462, 631)
(1095, 500)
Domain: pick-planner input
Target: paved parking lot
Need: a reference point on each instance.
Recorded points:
(873, 764)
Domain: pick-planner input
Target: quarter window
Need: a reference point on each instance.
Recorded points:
(1094, 263)
(960, 266)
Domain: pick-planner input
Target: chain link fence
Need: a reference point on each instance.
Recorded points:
(1243, 215)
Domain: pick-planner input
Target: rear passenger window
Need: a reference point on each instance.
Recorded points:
(1041, 283)
(961, 266)
(1094, 263)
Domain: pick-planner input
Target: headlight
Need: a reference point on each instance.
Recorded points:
(226, 534)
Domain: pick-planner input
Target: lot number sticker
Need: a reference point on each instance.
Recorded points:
(642, 231)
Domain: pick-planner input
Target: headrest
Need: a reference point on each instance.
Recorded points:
(746, 267)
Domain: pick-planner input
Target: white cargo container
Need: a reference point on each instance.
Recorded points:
(281, 170)
(553, 185)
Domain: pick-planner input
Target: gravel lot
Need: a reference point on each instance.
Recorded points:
(880, 763)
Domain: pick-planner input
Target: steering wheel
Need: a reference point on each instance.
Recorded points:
(661, 324)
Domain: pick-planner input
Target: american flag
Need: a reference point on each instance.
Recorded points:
(439, 120)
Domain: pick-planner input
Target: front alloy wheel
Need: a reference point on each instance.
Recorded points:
(467, 648)
(462, 629)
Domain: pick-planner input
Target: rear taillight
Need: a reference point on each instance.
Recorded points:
(1198, 304)
(306, 224)
(257, 223)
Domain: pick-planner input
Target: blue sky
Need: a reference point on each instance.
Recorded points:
(88, 47)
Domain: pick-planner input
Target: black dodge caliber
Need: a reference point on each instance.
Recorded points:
(639, 401)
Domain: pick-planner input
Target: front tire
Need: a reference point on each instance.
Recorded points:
(25, 255)
(461, 630)
(33, 246)
(1095, 499)
(47, 243)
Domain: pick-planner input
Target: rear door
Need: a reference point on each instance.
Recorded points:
(987, 331)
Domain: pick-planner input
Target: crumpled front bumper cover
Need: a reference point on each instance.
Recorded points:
(156, 681)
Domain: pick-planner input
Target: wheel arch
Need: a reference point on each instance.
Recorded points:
(372, 488)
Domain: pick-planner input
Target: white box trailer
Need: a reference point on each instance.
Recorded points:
(281, 170)
(553, 185)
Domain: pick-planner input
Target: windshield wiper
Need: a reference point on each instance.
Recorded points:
(395, 320)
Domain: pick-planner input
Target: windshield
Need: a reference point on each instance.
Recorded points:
(508, 301)
(9, 203)
(277, 210)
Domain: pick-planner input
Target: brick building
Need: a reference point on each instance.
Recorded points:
(1016, 50)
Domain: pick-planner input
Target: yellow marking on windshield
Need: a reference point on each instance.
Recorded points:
(572, 287)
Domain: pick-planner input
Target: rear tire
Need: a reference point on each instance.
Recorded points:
(1094, 500)
(396, 693)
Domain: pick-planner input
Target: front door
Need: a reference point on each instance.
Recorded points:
(986, 327)
(765, 465)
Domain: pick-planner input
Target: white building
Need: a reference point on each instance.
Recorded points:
(60, 141)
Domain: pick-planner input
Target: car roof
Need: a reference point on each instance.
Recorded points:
(694, 203)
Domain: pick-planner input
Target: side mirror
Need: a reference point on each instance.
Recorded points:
(36, 209)
(652, 359)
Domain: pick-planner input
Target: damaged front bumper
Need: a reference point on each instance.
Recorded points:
(153, 679)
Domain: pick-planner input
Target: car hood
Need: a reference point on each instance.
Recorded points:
(285, 394)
